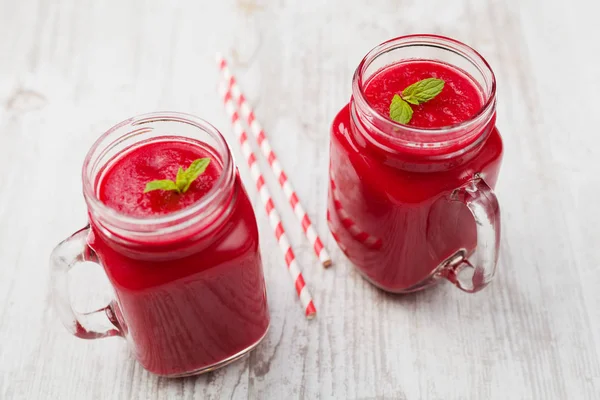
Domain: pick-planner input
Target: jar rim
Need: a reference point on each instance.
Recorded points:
(121, 223)
(429, 40)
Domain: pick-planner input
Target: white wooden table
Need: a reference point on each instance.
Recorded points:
(71, 69)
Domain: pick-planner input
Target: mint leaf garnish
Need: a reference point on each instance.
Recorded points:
(422, 91)
(400, 110)
(183, 180)
(195, 169)
(165, 184)
(417, 93)
(180, 179)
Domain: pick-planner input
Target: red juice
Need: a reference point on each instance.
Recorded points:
(189, 299)
(388, 205)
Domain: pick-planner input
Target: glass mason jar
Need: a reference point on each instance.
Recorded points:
(189, 287)
(409, 206)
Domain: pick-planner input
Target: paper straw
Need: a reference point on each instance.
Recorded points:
(265, 147)
(272, 214)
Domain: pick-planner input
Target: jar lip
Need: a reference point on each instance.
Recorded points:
(433, 41)
(163, 223)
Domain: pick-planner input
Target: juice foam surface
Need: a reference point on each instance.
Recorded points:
(459, 101)
(122, 184)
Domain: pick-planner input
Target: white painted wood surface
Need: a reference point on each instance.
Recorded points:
(71, 69)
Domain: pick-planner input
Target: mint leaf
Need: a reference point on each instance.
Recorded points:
(195, 169)
(180, 180)
(422, 91)
(165, 184)
(183, 180)
(417, 93)
(400, 110)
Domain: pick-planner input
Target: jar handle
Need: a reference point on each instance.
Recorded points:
(473, 273)
(88, 325)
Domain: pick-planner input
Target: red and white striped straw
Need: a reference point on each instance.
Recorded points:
(265, 147)
(272, 214)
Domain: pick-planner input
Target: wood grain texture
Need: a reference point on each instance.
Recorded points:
(71, 69)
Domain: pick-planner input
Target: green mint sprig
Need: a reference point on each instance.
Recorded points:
(183, 180)
(417, 93)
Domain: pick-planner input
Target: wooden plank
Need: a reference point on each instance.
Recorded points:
(71, 70)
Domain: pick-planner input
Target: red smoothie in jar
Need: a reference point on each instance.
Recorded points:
(190, 298)
(390, 184)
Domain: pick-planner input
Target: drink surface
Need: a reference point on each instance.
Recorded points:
(122, 184)
(459, 101)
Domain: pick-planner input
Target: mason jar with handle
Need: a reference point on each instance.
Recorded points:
(412, 204)
(189, 291)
